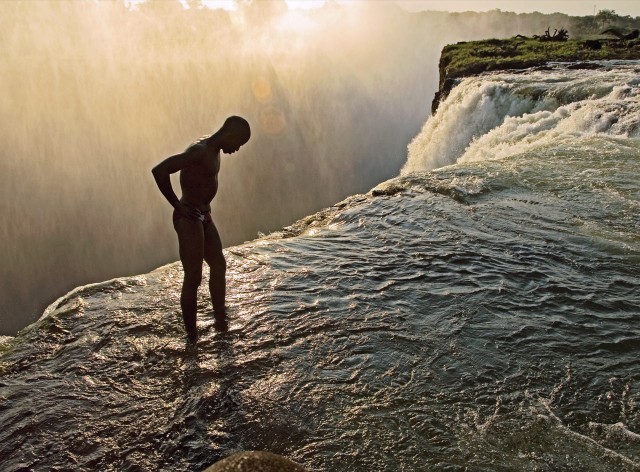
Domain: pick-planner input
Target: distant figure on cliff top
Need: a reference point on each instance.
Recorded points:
(197, 235)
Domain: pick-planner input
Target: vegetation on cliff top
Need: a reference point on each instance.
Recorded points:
(469, 58)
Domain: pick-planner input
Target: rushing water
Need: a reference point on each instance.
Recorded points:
(480, 316)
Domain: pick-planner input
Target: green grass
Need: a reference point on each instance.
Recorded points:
(470, 58)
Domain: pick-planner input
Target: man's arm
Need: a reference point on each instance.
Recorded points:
(162, 175)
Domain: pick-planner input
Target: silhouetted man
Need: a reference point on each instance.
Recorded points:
(197, 235)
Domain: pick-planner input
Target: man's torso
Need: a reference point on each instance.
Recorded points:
(199, 182)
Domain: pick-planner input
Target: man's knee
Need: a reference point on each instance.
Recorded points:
(217, 262)
(193, 279)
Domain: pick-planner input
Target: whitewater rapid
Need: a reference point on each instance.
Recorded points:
(502, 114)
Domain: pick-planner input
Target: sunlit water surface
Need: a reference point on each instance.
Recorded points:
(483, 316)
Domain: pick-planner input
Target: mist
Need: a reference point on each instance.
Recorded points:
(96, 93)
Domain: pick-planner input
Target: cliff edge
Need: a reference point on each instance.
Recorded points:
(465, 59)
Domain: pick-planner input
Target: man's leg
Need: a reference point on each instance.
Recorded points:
(218, 268)
(191, 240)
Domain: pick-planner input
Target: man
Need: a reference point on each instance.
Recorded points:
(197, 235)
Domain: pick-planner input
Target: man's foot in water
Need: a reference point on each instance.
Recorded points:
(192, 336)
(221, 323)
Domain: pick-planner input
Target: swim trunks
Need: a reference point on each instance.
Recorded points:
(205, 218)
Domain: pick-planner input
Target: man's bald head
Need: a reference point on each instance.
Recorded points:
(237, 125)
(234, 133)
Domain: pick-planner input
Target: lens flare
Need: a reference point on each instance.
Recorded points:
(261, 88)
(272, 121)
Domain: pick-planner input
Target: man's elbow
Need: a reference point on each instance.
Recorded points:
(157, 172)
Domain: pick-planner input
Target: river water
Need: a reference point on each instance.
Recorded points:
(479, 312)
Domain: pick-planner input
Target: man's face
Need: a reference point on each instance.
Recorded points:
(232, 143)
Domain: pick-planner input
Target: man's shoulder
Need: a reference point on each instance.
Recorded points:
(197, 147)
(196, 151)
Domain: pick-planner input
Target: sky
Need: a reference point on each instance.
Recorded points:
(570, 7)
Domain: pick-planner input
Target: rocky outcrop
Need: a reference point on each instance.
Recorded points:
(466, 59)
(255, 461)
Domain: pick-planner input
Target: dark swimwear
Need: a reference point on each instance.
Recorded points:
(204, 217)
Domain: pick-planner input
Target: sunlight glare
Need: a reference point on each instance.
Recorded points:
(295, 21)
(304, 4)
(229, 5)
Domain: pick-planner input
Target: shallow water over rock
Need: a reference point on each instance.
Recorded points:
(478, 317)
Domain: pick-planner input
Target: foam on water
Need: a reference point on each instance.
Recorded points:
(504, 114)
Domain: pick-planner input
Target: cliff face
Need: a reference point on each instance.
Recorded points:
(465, 59)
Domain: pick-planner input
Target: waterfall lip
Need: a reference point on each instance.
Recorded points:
(500, 113)
(104, 287)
